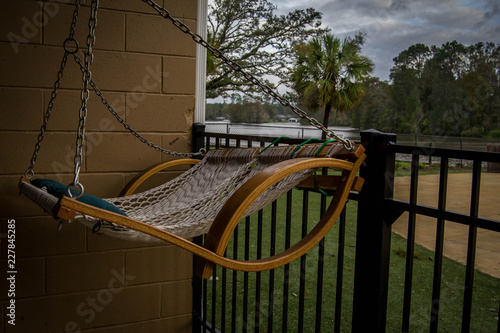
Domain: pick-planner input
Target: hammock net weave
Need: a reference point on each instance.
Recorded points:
(187, 205)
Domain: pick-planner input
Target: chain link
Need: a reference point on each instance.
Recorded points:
(126, 125)
(29, 173)
(84, 96)
(348, 144)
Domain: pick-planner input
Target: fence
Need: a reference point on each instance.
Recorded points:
(311, 294)
(297, 131)
(291, 130)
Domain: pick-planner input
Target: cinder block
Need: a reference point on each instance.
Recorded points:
(159, 264)
(99, 242)
(30, 66)
(179, 75)
(37, 66)
(122, 152)
(3, 314)
(11, 203)
(128, 6)
(110, 29)
(84, 272)
(62, 313)
(100, 119)
(39, 237)
(186, 9)
(179, 324)
(161, 113)
(20, 22)
(102, 185)
(181, 292)
(65, 114)
(29, 279)
(21, 109)
(56, 155)
(128, 305)
(114, 329)
(176, 143)
(118, 71)
(154, 34)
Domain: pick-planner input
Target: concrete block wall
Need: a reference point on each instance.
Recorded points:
(72, 280)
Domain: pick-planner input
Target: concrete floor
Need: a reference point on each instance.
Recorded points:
(456, 235)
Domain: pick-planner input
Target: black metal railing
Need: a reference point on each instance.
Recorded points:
(442, 215)
(298, 297)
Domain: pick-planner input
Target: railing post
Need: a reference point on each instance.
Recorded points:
(198, 143)
(373, 235)
(198, 136)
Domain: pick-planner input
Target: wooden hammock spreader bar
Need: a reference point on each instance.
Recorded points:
(328, 182)
(232, 212)
(226, 220)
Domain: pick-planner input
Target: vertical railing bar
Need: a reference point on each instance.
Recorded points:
(340, 270)
(303, 259)
(234, 282)
(438, 256)
(260, 219)
(245, 274)
(410, 245)
(272, 251)
(321, 266)
(217, 143)
(471, 247)
(498, 316)
(207, 143)
(223, 298)
(197, 292)
(214, 296)
(205, 296)
(286, 277)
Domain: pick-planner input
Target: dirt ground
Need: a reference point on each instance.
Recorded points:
(456, 235)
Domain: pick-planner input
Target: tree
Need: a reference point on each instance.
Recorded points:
(449, 90)
(372, 111)
(414, 58)
(408, 91)
(252, 35)
(328, 73)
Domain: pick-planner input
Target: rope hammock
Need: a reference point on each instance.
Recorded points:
(210, 197)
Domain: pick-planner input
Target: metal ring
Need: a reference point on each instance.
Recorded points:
(67, 47)
(29, 174)
(77, 186)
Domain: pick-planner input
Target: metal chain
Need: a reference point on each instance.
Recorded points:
(29, 173)
(348, 144)
(84, 96)
(127, 126)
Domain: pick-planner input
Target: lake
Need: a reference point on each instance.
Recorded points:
(290, 129)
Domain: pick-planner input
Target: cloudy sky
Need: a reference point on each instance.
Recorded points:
(394, 25)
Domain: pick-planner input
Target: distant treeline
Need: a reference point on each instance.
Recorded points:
(451, 90)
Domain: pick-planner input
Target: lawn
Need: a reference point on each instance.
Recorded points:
(485, 299)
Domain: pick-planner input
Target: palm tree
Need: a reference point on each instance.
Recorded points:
(329, 73)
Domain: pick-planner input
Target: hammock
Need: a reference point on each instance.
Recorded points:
(212, 196)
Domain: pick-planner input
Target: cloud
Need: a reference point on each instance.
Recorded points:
(394, 25)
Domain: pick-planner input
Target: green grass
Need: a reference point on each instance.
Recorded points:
(486, 288)
(404, 169)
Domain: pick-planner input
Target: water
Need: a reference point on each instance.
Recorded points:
(290, 129)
